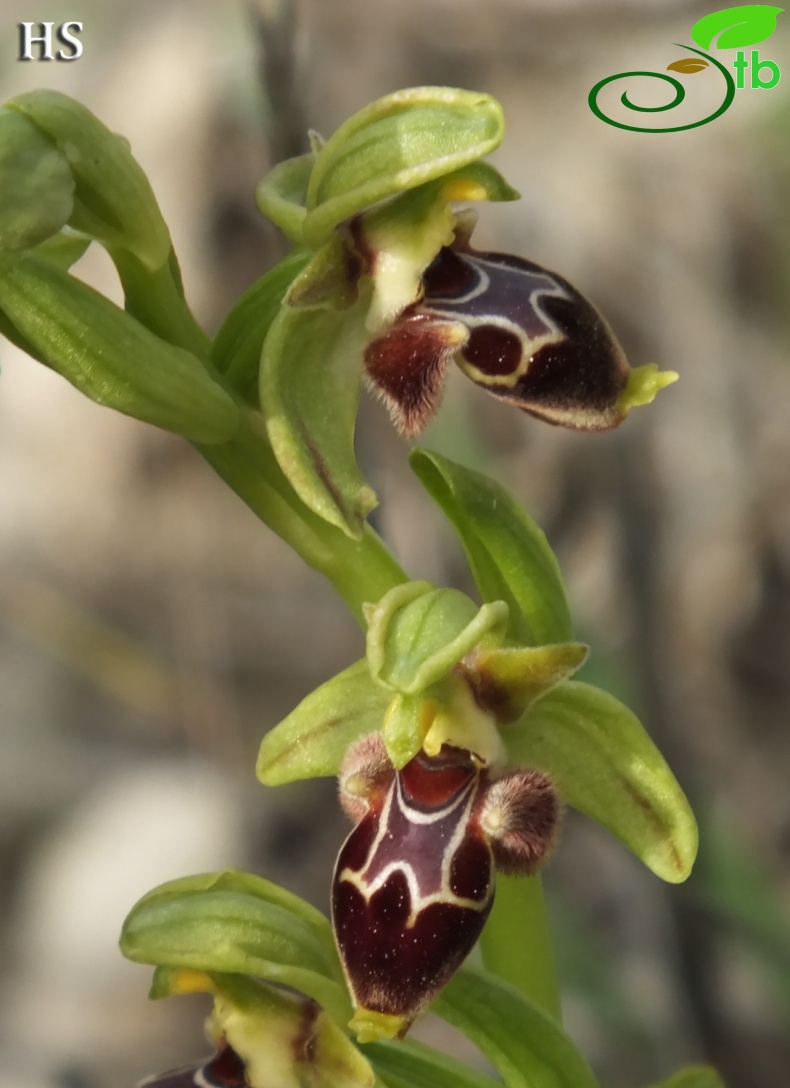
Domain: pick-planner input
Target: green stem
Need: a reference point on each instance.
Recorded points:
(156, 299)
(516, 942)
(360, 570)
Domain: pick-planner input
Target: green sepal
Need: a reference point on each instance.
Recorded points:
(417, 634)
(113, 199)
(410, 1064)
(36, 185)
(109, 356)
(412, 228)
(280, 1036)
(508, 554)
(526, 1047)
(312, 741)
(235, 930)
(508, 679)
(282, 195)
(397, 143)
(604, 763)
(237, 345)
(693, 1076)
(310, 381)
(234, 880)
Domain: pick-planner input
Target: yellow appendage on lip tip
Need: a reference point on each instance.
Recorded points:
(644, 382)
(370, 1026)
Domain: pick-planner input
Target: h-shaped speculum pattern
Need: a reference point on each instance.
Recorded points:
(518, 330)
(414, 881)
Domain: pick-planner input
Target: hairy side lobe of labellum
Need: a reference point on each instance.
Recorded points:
(225, 1069)
(414, 881)
(522, 332)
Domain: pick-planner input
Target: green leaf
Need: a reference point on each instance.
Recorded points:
(113, 199)
(694, 1076)
(733, 28)
(409, 1064)
(236, 349)
(312, 741)
(605, 764)
(528, 1049)
(282, 194)
(397, 143)
(238, 933)
(109, 356)
(36, 186)
(311, 372)
(509, 555)
(417, 634)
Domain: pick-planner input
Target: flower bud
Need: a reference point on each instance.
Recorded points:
(113, 199)
(36, 184)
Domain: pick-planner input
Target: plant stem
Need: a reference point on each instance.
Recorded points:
(157, 301)
(516, 942)
(360, 570)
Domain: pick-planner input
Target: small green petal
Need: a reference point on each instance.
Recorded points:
(508, 679)
(526, 1047)
(397, 143)
(310, 380)
(405, 726)
(108, 355)
(312, 741)
(508, 554)
(36, 185)
(605, 764)
(282, 194)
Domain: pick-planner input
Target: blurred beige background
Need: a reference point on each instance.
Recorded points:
(151, 630)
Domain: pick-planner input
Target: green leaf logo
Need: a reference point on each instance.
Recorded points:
(733, 28)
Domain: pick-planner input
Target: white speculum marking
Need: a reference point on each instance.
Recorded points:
(371, 878)
(540, 286)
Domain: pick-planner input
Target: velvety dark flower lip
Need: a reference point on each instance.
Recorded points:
(414, 881)
(516, 329)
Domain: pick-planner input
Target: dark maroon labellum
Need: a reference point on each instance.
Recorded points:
(413, 885)
(414, 881)
(522, 332)
(533, 339)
